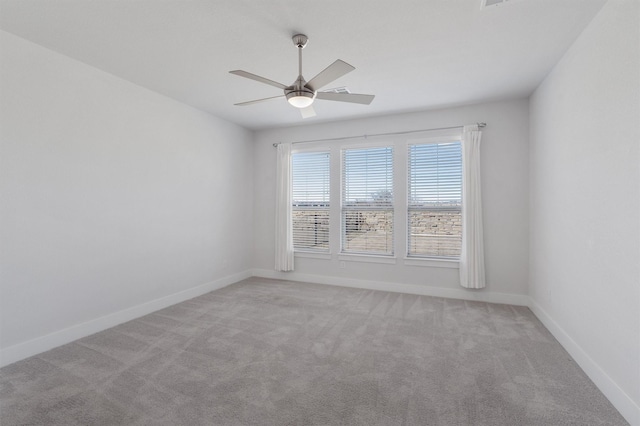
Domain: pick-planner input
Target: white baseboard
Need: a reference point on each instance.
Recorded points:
(450, 293)
(44, 343)
(618, 397)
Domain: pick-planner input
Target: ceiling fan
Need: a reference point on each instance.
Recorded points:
(302, 93)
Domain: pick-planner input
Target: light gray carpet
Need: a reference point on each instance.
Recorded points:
(266, 352)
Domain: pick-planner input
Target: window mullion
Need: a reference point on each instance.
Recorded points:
(400, 199)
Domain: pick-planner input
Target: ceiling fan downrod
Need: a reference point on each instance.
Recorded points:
(298, 94)
(300, 40)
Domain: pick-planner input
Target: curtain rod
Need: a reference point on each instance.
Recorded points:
(481, 125)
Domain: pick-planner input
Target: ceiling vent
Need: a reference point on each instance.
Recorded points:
(489, 4)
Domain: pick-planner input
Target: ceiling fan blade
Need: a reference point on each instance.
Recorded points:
(330, 73)
(308, 112)
(258, 78)
(345, 97)
(259, 100)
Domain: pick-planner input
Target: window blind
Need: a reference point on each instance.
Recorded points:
(310, 201)
(435, 200)
(367, 200)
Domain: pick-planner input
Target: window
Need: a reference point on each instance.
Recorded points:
(367, 201)
(434, 222)
(310, 199)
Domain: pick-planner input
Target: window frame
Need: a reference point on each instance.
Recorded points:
(358, 255)
(301, 252)
(400, 146)
(418, 259)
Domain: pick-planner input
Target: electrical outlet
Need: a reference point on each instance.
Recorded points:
(343, 265)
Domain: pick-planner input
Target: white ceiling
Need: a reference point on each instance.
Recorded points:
(412, 54)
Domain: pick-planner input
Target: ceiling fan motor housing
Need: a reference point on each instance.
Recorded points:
(298, 94)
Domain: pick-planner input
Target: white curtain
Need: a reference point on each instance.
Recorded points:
(284, 225)
(472, 255)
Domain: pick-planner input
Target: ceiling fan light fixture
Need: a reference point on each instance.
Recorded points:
(300, 99)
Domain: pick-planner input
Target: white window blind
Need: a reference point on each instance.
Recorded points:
(367, 200)
(310, 199)
(435, 200)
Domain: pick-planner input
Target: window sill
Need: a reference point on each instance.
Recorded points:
(367, 258)
(431, 262)
(312, 255)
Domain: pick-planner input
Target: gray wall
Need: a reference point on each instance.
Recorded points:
(112, 196)
(585, 236)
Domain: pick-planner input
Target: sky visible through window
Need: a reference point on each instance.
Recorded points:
(435, 174)
(368, 176)
(310, 172)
